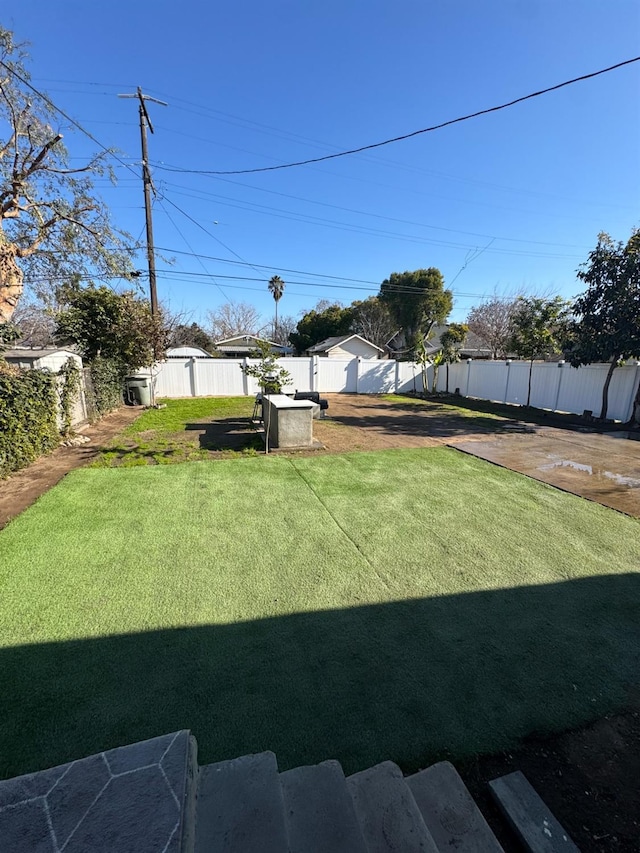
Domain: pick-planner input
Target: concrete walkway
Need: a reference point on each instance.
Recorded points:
(602, 468)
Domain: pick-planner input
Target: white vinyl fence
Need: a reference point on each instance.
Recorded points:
(222, 377)
(554, 385)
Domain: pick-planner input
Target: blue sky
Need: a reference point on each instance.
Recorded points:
(507, 201)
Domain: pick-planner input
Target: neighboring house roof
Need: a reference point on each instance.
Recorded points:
(27, 354)
(473, 346)
(338, 340)
(247, 343)
(186, 351)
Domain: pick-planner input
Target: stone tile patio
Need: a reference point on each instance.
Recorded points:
(131, 798)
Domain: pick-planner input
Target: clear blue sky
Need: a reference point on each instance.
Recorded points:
(253, 84)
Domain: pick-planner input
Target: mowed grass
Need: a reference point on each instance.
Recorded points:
(407, 604)
(188, 430)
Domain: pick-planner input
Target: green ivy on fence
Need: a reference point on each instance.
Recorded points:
(28, 417)
(69, 388)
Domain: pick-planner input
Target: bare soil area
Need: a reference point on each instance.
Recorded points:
(24, 487)
(589, 778)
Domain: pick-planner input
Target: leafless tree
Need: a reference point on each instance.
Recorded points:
(36, 324)
(52, 224)
(286, 325)
(372, 320)
(492, 322)
(233, 318)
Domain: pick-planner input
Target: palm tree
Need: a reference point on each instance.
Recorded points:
(276, 287)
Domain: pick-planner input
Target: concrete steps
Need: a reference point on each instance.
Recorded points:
(152, 797)
(239, 806)
(320, 813)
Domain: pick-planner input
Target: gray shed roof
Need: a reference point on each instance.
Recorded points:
(34, 354)
(336, 340)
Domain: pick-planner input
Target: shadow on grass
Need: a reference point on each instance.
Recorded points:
(412, 681)
(439, 421)
(148, 453)
(447, 403)
(226, 434)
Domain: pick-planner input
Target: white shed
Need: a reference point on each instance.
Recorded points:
(346, 346)
(41, 359)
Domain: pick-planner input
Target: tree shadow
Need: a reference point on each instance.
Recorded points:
(416, 422)
(412, 680)
(226, 434)
(515, 413)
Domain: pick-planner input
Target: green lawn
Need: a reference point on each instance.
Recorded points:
(405, 604)
(188, 430)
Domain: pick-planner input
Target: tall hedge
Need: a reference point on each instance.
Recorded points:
(28, 426)
(106, 386)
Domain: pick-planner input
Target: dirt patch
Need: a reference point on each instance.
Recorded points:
(588, 778)
(24, 487)
(363, 422)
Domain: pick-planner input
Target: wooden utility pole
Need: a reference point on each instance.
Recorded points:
(145, 122)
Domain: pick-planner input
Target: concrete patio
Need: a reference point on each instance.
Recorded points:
(601, 467)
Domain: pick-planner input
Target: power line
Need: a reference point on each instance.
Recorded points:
(404, 136)
(272, 267)
(206, 271)
(255, 207)
(373, 215)
(248, 124)
(206, 231)
(65, 115)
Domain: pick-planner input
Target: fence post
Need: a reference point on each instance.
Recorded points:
(634, 388)
(358, 360)
(245, 378)
(466, 393)
(555, 405)
(315, 383)
(397, 382)
(194, 377)
(506, 386)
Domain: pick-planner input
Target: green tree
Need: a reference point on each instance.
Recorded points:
(607, 314)
(52, 223)
(9, 334)
(184, 335)
(539, 327)
(451, 341)
(271, 378)
(116, 327)
(276, 288)
(315, 326)
(417, 301)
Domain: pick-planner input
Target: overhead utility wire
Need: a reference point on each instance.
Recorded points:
(415, 132)
(76, 124)
(310, 219)
(206, 231)
(368, 213)
(188, 244)
(391, 287)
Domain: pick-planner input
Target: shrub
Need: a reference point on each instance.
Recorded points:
(28, 417)
(105, 391)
